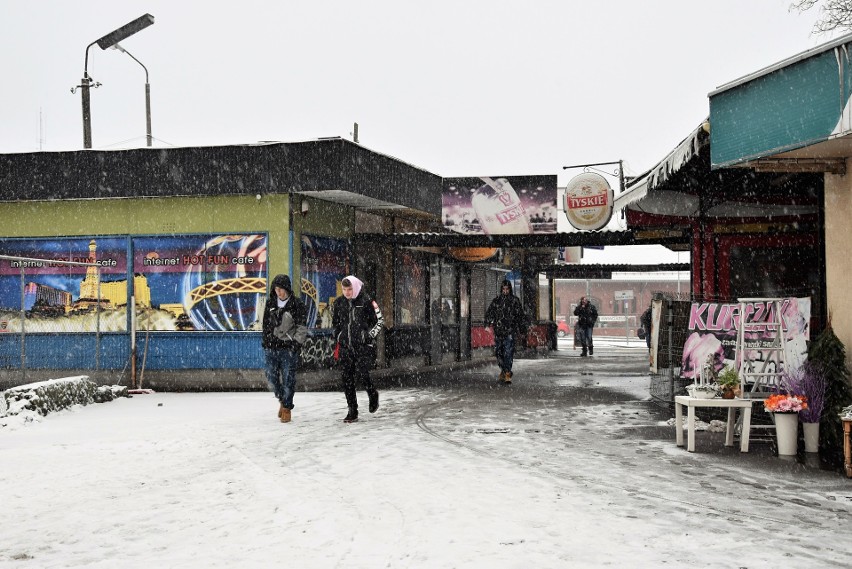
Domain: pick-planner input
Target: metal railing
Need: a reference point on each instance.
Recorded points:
(50, 327)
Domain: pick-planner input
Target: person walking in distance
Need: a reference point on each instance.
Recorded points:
(506, 316)
(645, 321)
(587, 315)
(284, 332)
(357, 321)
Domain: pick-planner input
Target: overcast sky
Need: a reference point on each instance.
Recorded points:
(456, 87)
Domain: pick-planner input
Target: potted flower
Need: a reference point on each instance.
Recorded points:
(809, 381)
(702, 391)
(728, 381)
(785, 409)
(705, 386)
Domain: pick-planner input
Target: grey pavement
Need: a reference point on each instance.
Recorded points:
(590, 421)
(617, 375)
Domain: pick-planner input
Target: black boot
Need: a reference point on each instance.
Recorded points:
(374, 401)
(591, 350)
(351, 416)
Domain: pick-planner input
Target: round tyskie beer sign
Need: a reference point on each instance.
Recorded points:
(588, 201)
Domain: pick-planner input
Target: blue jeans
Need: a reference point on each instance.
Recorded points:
(281, 374)
(586, 337)
(504, 349)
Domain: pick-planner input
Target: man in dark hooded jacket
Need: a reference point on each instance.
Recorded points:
(284, 320)
(645, 321)
(357, 321)
(587, 315)
(506, 315)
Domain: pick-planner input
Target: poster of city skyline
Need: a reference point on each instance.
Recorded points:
(180, 282)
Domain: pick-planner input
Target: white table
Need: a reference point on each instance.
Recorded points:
(744, 405)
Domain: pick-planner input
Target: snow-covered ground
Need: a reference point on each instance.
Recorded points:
(568, 467)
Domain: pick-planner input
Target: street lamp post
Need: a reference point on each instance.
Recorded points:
(110, 40)
(147, 94)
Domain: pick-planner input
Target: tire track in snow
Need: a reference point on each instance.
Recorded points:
(422, 416)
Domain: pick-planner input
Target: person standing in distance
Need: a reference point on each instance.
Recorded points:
(645, 321)
(506, 316)
(357, 321)
(587, 315)
(283, 314)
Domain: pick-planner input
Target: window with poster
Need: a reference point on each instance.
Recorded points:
(478, 302)
(410, 286)
(449, 287)
(324, 263)
(544, 296)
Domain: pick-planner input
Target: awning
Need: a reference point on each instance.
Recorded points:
(604, 271)
(667, 203)
(547, 240)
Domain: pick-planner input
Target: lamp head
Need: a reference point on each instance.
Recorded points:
(125, 31)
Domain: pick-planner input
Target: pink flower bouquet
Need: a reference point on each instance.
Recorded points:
(781, 403)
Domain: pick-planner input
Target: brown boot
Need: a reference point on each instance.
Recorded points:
(285, 415)
(280, 410)
(508, 378)
(502, 376)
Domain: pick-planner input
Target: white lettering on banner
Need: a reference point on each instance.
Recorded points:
(616, 318)
(575, 203)
(510, 215)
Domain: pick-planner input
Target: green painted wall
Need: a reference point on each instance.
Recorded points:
(786, 109)
(323, 219)
(156, 216)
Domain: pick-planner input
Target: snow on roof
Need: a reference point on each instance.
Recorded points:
(639, 187)
(782, 64)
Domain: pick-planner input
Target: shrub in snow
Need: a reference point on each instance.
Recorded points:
(56, 394)
(106, 393)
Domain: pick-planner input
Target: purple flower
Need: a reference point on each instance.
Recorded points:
(809, 380)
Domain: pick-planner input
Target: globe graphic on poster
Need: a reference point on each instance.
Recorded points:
(225, 289)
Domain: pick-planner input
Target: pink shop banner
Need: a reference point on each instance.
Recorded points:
(712, 330)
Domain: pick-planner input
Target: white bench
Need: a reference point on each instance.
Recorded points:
(744, 405)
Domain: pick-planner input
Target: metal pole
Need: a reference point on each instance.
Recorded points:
(87, 111)
(147, 94)
(23, 333)
(133, 342)
(626, 323)
(148, 110)
(670, 324)
(98, 325)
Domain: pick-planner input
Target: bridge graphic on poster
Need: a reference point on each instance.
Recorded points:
(226, 286)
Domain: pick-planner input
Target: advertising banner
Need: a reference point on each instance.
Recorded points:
(656, 319)
(207, 282)
(588, 201)
(64, 298)
(500, 205)
(325, 261)
(712, 330)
